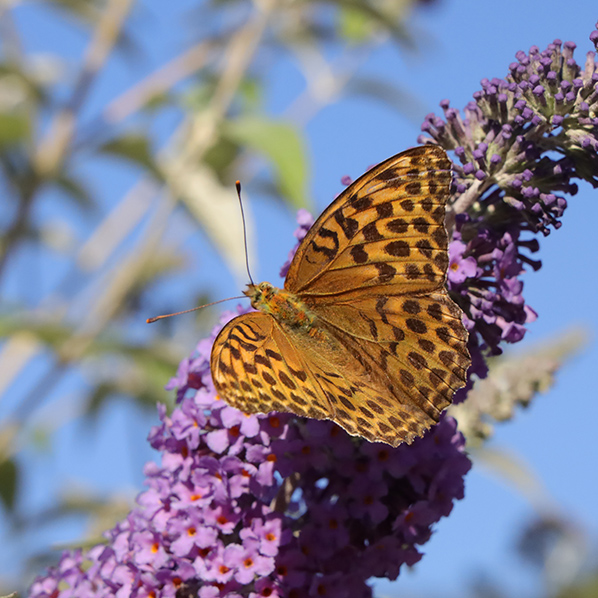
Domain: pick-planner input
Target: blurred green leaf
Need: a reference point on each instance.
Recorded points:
(134, 147)
(387, 16)
(514, 381)
(251, 94)
(155, 271)
(86, 10)
(513, 470)
(40, 439)
(352, 26)
(9, 478)
(141, 373)
(74, 189)
(386, 92)
(75, 499)
(221, 156)
(157, 101)
(283, 145)
(154, 364)
(14, 128)
(17, 81)
(586, 587)
(47, 332)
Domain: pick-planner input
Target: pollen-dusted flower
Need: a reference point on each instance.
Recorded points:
(460, 267)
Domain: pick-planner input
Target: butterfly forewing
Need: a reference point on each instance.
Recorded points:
(385, 230)
(387, 348)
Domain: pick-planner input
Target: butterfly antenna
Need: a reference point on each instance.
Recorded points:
(238, 186)
(178, 313)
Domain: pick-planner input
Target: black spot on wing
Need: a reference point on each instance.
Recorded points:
(380, 303)
(384, 210)
(398, 226)
(413, 188)
(398, 248)
(359, 254)
(387, 175)
(348, 225)
(359, 204)
(371, 233)
(385, 272)
(326, 233)
(250, 334)
(274, 355)
(262, 360)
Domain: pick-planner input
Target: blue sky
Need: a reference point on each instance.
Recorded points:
(463, 41)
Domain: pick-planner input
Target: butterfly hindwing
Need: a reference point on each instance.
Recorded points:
(258, 367)
(418, 343)
(257, 370)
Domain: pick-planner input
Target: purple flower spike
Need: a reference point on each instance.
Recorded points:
(547, 109)
(217, 517)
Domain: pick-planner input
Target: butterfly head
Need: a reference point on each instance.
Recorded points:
(260, 295)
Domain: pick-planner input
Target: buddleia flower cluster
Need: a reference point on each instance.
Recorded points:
(518, 146)
(275, 505)
(266, 505)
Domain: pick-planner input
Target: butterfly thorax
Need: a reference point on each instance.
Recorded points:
(283, 305)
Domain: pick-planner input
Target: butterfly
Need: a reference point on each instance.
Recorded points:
(364, 332)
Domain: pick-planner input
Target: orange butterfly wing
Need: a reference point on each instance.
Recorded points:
(383, 235)
(259, 367)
